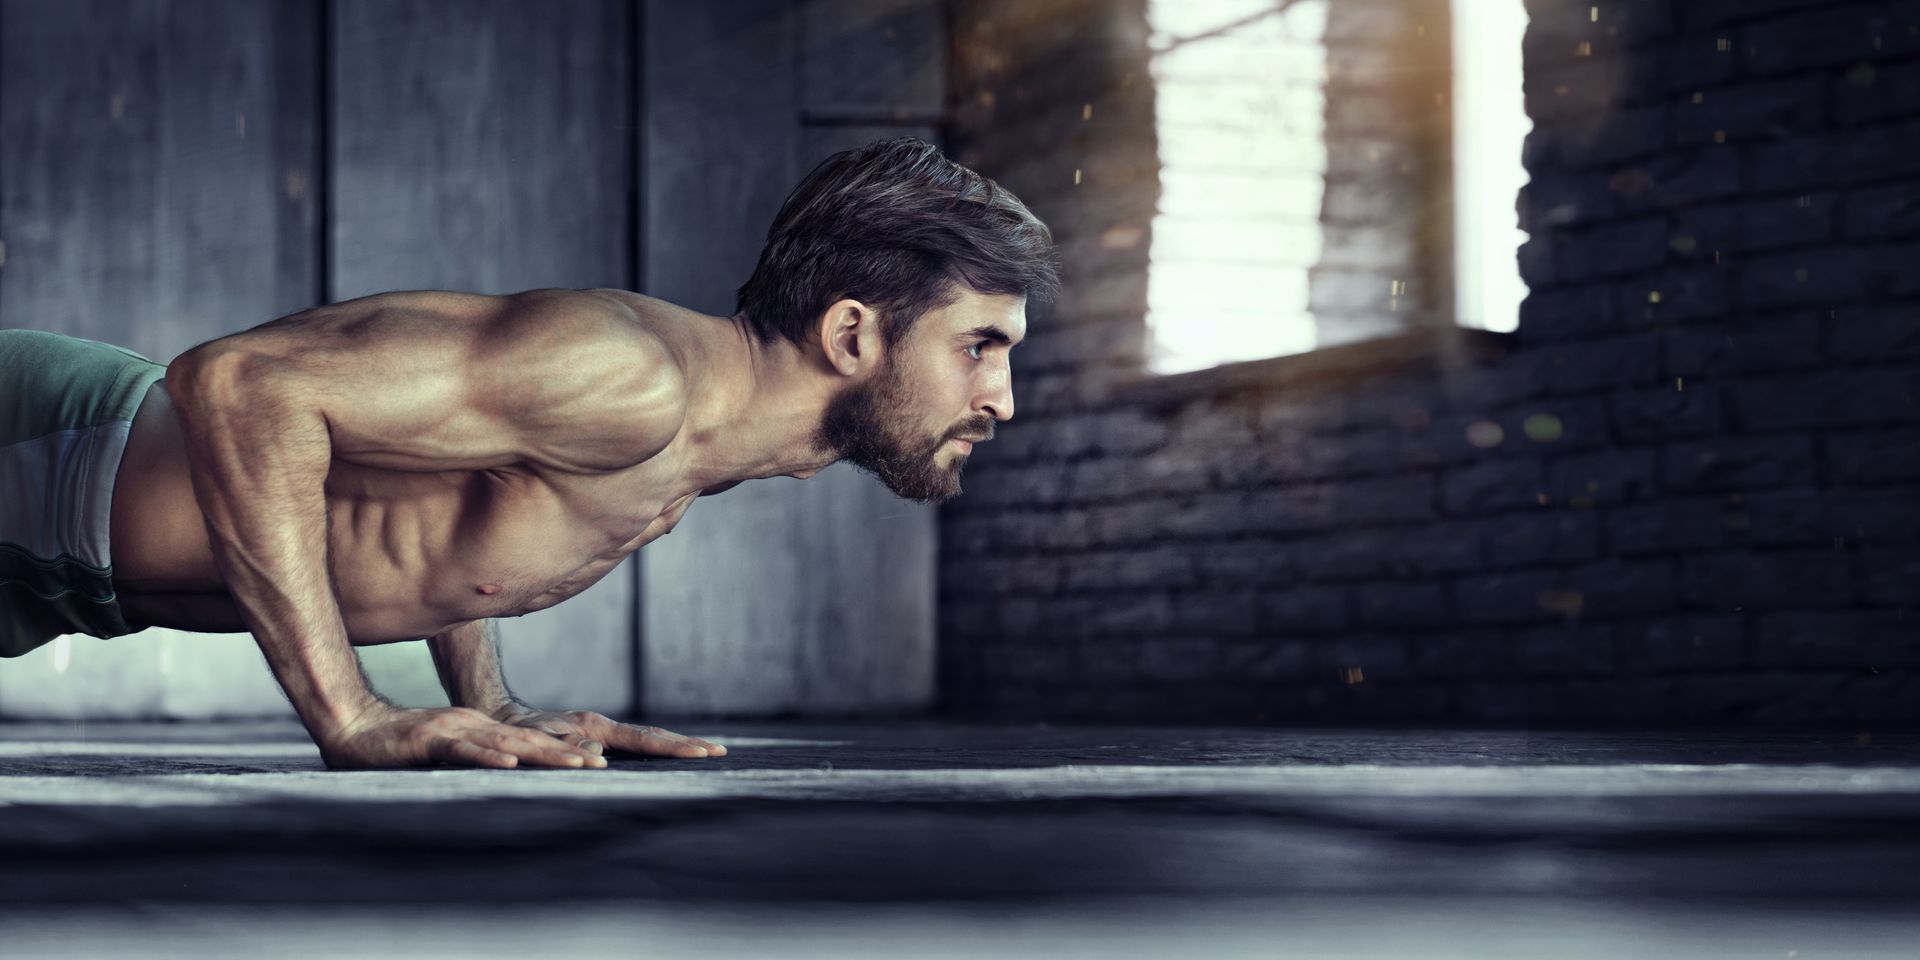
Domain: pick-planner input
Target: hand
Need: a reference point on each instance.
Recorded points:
(388, 736)
(594, 733)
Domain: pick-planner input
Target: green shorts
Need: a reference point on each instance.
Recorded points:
(63, 427)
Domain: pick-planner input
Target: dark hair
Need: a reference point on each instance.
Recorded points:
(895, 225)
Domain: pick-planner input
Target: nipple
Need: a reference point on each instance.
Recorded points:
(489, 588)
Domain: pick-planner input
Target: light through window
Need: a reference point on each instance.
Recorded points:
(1240, 101)
(1489, 129)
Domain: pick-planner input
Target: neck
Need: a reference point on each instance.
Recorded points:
(752, 408)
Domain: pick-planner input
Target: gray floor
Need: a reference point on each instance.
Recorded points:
(924, 839)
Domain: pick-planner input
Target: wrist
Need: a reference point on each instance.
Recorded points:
(504, 709)
(336, 719)
(486, 700)
(468, 661)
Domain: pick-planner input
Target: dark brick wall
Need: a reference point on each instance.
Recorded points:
(1684, 491)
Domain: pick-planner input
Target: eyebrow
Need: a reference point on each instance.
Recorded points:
(989, 332)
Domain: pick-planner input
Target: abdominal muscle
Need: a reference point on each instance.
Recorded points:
(411, 554)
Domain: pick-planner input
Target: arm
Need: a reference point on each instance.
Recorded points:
(467, 658)
(257, 470)
(405, 381)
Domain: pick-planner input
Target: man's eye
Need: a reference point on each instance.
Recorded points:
(978, 346)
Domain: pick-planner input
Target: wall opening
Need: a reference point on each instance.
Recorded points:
(1240, 92)
(1490, 129)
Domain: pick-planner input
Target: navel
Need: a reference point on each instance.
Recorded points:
(489, 588)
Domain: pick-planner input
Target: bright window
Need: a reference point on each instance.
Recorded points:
(1240, 87)
(1490, 126)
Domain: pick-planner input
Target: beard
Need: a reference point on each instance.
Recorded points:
(870, 426)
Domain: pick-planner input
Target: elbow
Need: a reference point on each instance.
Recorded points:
(249, 448)
(212, 371)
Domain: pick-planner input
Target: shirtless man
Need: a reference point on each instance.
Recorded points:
(410, 465)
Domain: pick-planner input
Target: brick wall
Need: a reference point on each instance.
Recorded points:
(1683, 491)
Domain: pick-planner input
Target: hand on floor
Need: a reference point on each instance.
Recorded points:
(388, 736)
(595, 733)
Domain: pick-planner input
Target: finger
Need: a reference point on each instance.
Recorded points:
(552, 728)
(655, 741)
(557, 732)
(550, 753)
(588, 749)
(449, 750)
(599, 733)
(578, 739)
(713, 749)
(535, 747)
(587, 745)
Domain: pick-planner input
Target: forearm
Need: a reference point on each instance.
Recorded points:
(259, 465)
(468, 660)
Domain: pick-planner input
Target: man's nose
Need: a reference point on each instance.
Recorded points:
(998, 404)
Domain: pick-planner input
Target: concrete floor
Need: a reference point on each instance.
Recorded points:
(924, 839)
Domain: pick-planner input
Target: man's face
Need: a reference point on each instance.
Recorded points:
(946, 380)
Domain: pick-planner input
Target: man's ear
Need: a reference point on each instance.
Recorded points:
(850, 336)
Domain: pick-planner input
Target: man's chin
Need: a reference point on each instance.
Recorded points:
(924, 495)
(934, 490)
(934, 484)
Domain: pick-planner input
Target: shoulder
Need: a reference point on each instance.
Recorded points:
(585, 327)
(596, 370)
(559, 318)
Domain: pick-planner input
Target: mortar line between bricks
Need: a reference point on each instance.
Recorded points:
(1746, 197)
(1564, 69)
(1728, 323)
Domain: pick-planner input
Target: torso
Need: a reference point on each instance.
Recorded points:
(412, 554)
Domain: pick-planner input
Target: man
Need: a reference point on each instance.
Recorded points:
(414, 464)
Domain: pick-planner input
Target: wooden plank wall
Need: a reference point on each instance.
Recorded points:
(169, 190)
(779, 596)
(158, 164)
(162, 183)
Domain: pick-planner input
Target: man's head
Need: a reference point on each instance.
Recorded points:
(894, 250)
(948, 382)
